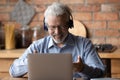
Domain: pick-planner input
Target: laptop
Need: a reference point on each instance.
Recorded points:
(50, 67)
(105, 79)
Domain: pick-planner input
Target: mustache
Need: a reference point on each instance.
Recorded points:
(57, 34)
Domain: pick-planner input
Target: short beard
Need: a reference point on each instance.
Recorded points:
(60, 41)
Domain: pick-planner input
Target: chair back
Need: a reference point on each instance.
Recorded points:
(79, 29)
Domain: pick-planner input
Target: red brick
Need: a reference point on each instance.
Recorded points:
(95, 24)
(36, 17)
(106, 16)
(4, 17)
(39, 2)
(107, 33)
(35, 23)
(113, 1)
(82, 16)
(110, 7)
(96, 1)
(114, 25)
(87, 8)
(113, 41)
(3, 2)
(18, 25)
(13, 1)
(40, 8)
(84, 10)
(98, 40)
(72, 1)
(41, 16)
(5, 9)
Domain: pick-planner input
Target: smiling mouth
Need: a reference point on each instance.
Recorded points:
(58, 36)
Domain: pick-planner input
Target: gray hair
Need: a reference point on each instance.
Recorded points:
(58, 9)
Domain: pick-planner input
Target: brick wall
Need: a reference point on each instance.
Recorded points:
(101, 17)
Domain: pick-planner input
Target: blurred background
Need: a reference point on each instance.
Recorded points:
(100, 17)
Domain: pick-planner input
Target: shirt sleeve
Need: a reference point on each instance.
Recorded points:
(93, 66)
(20, 66)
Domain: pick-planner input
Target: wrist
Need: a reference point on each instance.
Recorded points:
(81, 68)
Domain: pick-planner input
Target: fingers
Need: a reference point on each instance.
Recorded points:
(35, 51)
(78, 59)
(78, 66)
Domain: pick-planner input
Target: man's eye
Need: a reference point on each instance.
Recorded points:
(53, 27)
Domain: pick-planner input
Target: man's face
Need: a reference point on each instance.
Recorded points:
(57, 28)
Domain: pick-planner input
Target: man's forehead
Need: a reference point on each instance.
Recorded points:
(56, 19)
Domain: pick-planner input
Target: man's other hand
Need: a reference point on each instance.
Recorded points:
(78, 66)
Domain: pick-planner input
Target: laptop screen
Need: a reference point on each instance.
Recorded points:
(50, 66)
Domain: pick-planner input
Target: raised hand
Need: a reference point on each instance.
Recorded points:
(35, 51)
(78, 66)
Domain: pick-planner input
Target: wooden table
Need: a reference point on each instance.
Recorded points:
(10, 78)
(108, 57)
(24, 78)
(15, 53)
(7, 57)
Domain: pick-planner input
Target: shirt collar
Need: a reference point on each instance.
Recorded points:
(51, 43)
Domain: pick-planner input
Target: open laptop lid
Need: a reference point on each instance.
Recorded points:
(50, 67)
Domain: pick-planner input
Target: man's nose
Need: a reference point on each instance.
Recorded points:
(58, 30)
